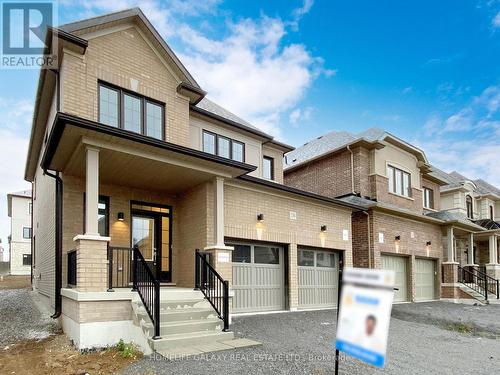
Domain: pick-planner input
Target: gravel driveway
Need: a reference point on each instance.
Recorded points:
(300, 343)
(21, 319)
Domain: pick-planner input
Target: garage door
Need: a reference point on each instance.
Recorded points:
(317, 278)
(425, 279)
(258, 278)
(399, 266)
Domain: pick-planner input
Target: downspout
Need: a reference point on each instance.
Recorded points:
(32, 230)
(58, 241)
(352, 169)
(369, 239)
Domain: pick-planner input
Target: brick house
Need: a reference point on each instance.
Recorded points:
(404, 227)
(133, 169)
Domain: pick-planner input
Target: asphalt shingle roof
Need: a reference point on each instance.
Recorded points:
(448, 216)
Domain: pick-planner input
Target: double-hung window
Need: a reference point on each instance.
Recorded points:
(428, 196)
(268, 168)
(132, 112)
(222, 146)
(469, 206)
(399, 181)
(26, 233)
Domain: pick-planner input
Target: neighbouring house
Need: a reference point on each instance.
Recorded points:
(19, 208)
(134, 169)
(404, 227)
(475, 202)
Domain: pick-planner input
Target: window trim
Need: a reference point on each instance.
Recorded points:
(271, 159)
(470, 212)
(217, 137)
(403, 173)
(29, 233)
(431, 198)
(121, 108)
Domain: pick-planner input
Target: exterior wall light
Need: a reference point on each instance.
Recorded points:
(397, 238)
(121, 216)
(323, 228)
(429, 243)
(260, 217)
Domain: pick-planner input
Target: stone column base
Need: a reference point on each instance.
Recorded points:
(450, 272)
(91, 263)
(221, 258)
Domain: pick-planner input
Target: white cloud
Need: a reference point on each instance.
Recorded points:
(495, 22)
(299, 114)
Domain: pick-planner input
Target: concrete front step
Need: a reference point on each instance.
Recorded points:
(189, 339)
(471, 292)
(185, 326)
(201, 348)
(178, 294)
(176, 315)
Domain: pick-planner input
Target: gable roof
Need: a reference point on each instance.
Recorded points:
(456, 180)
(134, 15)
(337, 140)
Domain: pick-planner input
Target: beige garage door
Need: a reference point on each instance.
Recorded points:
(425, 279)
(258, 278)
(399, 266)
(317, 278)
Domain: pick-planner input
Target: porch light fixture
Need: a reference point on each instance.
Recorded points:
(397, 238)
(121, 216)
(323, 228)
(260, 217)
(429, 243)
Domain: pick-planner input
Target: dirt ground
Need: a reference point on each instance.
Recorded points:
(15, 282)
(56, 355)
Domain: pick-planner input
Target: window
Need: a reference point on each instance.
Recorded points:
(238, 151)
(399, 181)
(108, 106)
(26, 259)
(223, 146)
(469, 206)
(102, 215)
(305, 258)
(241, 254)
(154, 120)
(132, 112)
(492, 216)
(30, 208)
(325, 260)
(268, 168)
(266, 255)
(428, 196)
(209, 142)
(26, 232)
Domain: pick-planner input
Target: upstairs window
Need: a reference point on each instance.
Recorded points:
(268, 168)
(428, 198)
(399, 181)
(122, 109)
(26, 233)
(492, 216)
(469, 206)
(225, 147)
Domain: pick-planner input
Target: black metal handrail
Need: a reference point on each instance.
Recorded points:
(72, 268)
(213, 286)
(492, 284)
(479, 282)
(119, 267)
(148, 288)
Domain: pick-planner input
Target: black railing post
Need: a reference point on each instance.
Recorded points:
(110, 269)
(498, 292)
(225, 307)
(157, 311)
(134, 270)
(486, 287)
(196, 270)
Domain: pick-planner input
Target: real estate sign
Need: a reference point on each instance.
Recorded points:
(365, 313)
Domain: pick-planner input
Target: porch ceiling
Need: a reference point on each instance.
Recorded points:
(130, 159)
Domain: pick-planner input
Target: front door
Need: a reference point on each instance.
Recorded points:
(151, 233)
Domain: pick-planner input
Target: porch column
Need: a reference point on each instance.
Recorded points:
(92, 191)
(451, 244)
(219, 211)
(493, 249)
(470, 251)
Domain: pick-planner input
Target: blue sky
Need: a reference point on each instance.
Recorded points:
(427, 71)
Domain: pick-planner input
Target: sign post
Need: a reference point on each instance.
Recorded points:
(364, 314)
